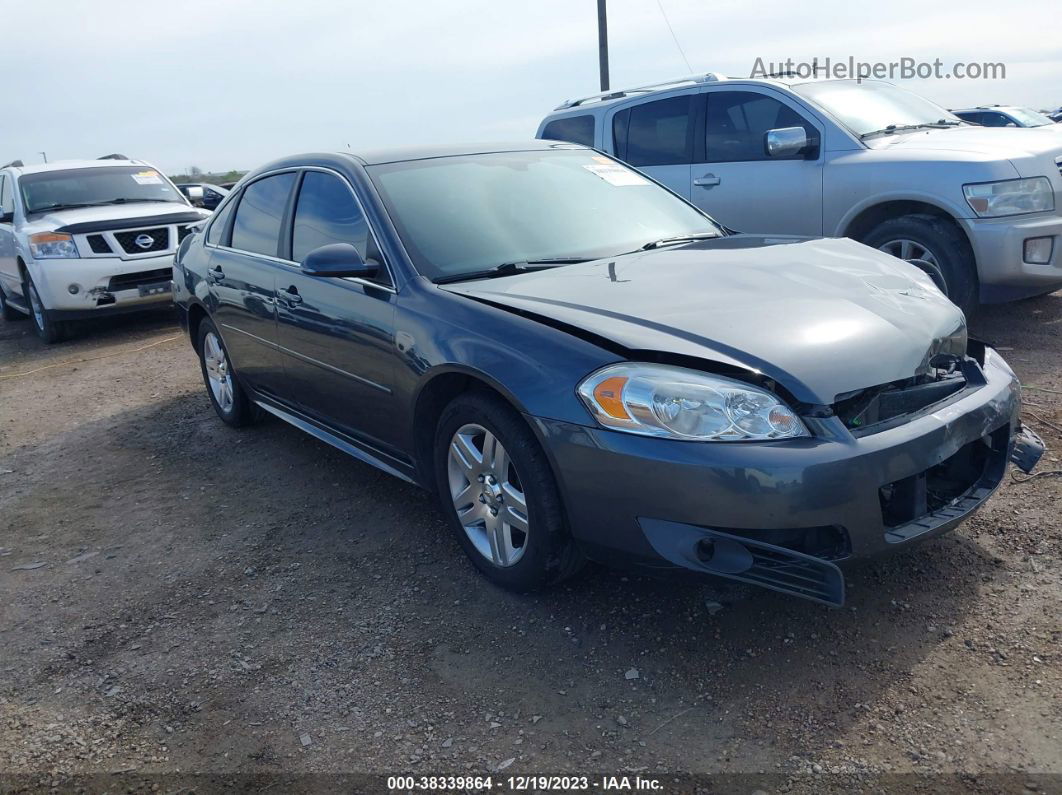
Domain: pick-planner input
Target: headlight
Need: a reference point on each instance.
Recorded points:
(1010, 197)
(658, 400)
(52, 245)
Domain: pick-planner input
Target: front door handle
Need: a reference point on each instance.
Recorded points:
(291, 295)
(215, 275)
(707, 181)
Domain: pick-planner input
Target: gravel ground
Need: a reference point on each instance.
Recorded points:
(176, 595)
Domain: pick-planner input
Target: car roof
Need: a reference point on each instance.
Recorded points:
(66, 165)
(376, 157)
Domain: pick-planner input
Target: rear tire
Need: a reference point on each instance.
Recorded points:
(530, 545)
(927, 237)
(223, 387)
(49, 330)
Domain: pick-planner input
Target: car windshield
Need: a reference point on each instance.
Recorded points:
(866, 108)
(99, 185)
(469, 213)
(1027, 117)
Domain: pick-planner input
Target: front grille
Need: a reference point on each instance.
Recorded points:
(99, 245)
(182, 233)
(130, 281)
(160, 240)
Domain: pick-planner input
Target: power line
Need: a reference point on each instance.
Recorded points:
(663, 13)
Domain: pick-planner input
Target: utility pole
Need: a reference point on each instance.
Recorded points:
(44, 155)
(602, 43)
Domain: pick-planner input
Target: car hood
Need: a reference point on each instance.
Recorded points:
(822, 317)
(106, 212)
(1005, 143)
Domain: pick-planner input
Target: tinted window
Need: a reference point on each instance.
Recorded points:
(47, 189)
(257, 225)
(217, 226)
(974, 118)
(995, 120)
(327, 213)
(576, 129)
(658, 133)
(738, 120)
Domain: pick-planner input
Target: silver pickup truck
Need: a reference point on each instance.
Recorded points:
(845, 158)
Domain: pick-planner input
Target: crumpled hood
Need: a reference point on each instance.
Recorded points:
(822, 316)
(60, 218)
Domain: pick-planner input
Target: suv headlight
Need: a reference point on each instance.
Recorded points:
(660, 400)
(52, 245)
(1010, 197)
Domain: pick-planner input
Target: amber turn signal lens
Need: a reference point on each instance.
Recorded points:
(609, 396)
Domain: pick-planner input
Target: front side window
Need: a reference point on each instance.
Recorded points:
(95, 186)
(737, 121)
(995, 119)
(327, 213)
(463, 214)
(574, 129)
(258, 217)
(655, 133)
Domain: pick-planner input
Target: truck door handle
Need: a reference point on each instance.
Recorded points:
(291, 295)
(215, 275)
(707, 181)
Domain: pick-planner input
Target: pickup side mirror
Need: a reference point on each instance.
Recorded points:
(788, 142)
(338, 260)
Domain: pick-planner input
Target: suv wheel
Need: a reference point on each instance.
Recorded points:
(49, 330)
(925, 237)
(499, 495)
(229, 399)
(8, 312)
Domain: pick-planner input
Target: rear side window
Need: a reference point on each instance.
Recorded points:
(655, 133)
(217, 226)
(257, 225)
(737, 121)
(574, 129)
(327, 213)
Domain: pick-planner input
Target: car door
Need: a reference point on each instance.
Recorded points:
(657, 137)
(738, 183)
(9, 275)
(242, 274)
(337, 334)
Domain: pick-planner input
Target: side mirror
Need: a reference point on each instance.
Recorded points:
(785, 141)
(195, 192)
(337, 260)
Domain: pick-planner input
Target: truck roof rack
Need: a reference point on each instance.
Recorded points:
(14, 163)
(114, 156)
(708, 77)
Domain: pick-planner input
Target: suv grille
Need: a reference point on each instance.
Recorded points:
(182, 233)
(160, 240)
(99, 245)
(130, 281)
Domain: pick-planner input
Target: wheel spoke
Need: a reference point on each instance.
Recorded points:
(516, 518)
(466, 497)
(905, 250)
(515, 497)
(501, 542)
(464, 454)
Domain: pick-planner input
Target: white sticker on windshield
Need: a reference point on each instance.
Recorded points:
(617, 175)
(147, 178)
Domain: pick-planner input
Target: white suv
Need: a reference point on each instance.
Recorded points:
(86, 238)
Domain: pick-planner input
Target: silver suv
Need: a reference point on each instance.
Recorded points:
(866, 160)
(87, 238)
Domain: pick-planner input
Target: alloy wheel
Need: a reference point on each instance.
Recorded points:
(35, 306)
(218, 371)
(488, 495)
(909, 249)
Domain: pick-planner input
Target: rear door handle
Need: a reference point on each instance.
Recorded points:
(291, 295)
(707, 181)
(215, 275)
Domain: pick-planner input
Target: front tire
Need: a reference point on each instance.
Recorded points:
(49, 330)
(499, 495)
(929, 238)
(226, 394)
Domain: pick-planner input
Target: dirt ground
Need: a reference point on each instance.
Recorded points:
(176, 595)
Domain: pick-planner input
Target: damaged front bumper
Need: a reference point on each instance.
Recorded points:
(786, 515)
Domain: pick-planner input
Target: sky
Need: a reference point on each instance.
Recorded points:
(231, 84)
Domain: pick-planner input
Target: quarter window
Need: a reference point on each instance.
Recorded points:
(738, 120)
(217, 226)
(327, 213)
(257, 225)
(655, 133)
(575, 129)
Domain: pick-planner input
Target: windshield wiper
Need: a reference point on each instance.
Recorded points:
(123, 200)
(72, 206)
(893, 128)
(668, 241)
(511, 269)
